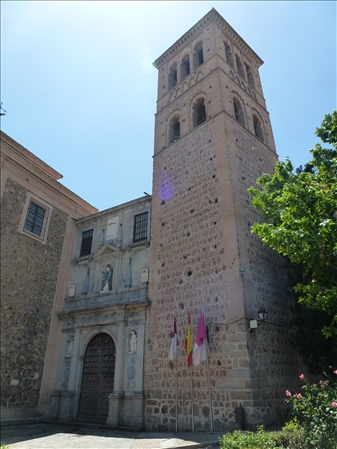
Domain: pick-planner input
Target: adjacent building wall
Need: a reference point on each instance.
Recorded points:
(32, 273)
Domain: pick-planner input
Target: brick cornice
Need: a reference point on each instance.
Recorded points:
(192, 33)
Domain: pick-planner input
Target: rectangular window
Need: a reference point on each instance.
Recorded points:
(140, 227)
(35, 218)
(86, 243)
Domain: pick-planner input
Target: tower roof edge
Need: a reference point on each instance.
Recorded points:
(192, 33)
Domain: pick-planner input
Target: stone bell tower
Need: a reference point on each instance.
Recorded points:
(213, 139)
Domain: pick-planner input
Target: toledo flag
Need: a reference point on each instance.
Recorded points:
(188, 341)
(174, 341)
(200, 351)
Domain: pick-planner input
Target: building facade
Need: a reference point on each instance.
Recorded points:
(111, 288)
(37, 241)
(100, 365)
(213, 139)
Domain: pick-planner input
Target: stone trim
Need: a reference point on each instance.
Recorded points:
(197, 29)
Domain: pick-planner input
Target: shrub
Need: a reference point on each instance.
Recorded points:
(316, 411)
(250, 440)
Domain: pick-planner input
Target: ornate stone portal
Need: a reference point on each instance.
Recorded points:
(103, 332)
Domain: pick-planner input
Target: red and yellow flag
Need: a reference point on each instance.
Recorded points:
(188, 341)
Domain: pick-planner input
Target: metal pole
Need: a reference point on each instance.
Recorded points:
(176, 395)
(192, 400)
(209, 381)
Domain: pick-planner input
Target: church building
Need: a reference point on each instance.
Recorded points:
(137, 268)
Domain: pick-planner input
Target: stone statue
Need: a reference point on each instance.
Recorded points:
(70, 346)
(107, 279)
(133, 341)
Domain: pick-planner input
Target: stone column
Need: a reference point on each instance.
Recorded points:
(117, 397)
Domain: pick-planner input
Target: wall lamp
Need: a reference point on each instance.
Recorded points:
(262, 316)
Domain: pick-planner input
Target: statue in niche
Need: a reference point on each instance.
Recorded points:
(70, 346)
(133, 341)
(107, 279)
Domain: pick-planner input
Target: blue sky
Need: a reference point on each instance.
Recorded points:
(80, 90)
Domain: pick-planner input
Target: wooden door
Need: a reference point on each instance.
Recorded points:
(97, 378)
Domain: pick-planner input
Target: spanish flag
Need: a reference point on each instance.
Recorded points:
(188, 341)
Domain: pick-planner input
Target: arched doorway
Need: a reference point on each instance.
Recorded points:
(97, 378)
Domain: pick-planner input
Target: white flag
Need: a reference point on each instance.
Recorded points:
(200, 351)
(174, 341)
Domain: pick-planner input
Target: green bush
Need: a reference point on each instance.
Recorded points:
(250, 440)
(314, 425)
(316, 411)
(290, 437)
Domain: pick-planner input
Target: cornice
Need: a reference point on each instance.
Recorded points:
(192, 33)
(27, 155)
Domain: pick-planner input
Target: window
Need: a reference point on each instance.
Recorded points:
(185, 67)
(249, 76)
(239, 66)
(199, 112)
(172, 78)
(174, 129)
(198, 55)
(86, 242)
(238, 111)
(257, 128)
(35, 218)
(140, 227)
(229, 54)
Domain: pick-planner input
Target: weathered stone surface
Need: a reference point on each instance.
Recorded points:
(28, 278)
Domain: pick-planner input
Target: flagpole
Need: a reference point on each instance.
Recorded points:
(176, 394)
(209, 381)
(192, 399)
(176, 357)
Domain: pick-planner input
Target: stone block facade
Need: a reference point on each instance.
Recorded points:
(116, 309)
(202, 249)
(31, 267)
(88, 304)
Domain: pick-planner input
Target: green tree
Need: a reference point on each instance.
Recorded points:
(300, 221)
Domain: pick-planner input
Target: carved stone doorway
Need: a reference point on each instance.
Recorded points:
(97, 378)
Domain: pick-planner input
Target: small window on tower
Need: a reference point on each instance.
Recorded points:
(140, 227)
(174, 129)
(239, 66)
(258, 128)
(198, 55)
(238, 111)
(199, 112)
(185, 67)
(229, 54)
(86, 242)
(172, 78)
(249, 76)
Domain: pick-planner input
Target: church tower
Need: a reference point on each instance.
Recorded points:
(213, 139)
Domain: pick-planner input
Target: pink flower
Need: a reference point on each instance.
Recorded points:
(299, 396)
(334, 404)
(335, 372)
(302, 376)
(288, 393)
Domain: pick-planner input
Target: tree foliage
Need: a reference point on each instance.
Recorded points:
(300, 212)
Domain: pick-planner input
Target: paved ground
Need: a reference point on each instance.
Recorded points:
(79, 436)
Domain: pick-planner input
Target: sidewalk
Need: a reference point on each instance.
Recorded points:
(78, 436)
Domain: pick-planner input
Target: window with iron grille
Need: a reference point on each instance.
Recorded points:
(86, 243)
(140, 227)
(35, 219)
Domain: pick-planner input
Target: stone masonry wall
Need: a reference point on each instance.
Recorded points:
(28, 278)
(194, 261)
